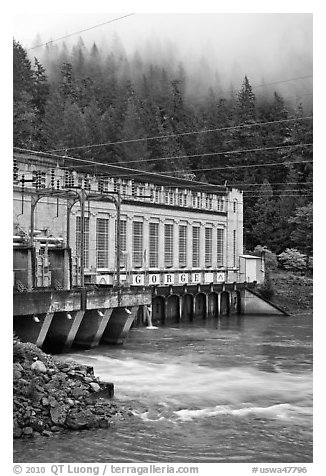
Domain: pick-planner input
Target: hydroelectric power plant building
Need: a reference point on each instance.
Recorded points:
(94, 246)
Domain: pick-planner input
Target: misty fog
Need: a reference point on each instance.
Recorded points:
(216, 50)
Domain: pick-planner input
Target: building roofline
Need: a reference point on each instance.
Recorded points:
(127, 173)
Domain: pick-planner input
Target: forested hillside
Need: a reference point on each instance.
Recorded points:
(112, 108)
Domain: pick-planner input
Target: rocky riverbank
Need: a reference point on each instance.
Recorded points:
(52, 395)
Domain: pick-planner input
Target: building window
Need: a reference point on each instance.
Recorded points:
(157, 195)
(208, 246)
(168, 245)
(220, 204)
(234, 248)
(137, 244)
(166, 197)
(153, 245)
(133, 188)
(195, 246)
(220, 247)
(69, 179)
(85, 241)
(102, 242)
(182, 245)
(102, 185)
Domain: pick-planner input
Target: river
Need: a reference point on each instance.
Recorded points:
(236, 389)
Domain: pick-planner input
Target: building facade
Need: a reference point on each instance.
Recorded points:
(171, 231)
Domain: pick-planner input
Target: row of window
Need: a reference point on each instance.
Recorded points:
(140, 257)
(156, 194)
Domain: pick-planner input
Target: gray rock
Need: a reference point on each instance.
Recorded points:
(18, 367)
(77, 392)
(38, 366)
(45, 401)
(79, 420)
(58, 414)
(28, 430)
(95, 386)
(16, 374)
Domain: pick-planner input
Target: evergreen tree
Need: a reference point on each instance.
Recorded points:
(24, 112)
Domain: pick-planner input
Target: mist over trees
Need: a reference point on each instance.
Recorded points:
(81, 96)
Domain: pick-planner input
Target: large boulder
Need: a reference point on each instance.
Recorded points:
(80, 420)
(58, 414)
(39, 366)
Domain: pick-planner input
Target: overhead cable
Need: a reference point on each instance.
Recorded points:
(137, 172)
(168, 136)
(81, 31)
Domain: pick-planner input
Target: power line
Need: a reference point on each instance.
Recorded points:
(223, 91)
(124, 170)
(136, 172)
(283, 195)
(270, 183)
(258, 149)
(81, 31)
(204, 131)
(280, 190)
(282, 81)
(250, 166)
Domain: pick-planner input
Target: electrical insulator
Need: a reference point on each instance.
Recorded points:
(38, 179)
(58, 184)
(66, 178)
(52, 178)
(15, 171)
(23, 182)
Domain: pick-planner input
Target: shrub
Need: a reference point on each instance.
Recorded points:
(292, 260)
(270, 257)
(266, 288)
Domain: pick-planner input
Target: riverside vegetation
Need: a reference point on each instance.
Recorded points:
(52, 395)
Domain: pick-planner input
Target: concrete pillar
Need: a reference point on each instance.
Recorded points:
(92, 327)
(119, 325)
(29, 330)
(44, 328)
(218, 304)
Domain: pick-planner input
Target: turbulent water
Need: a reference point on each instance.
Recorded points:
(237, 389)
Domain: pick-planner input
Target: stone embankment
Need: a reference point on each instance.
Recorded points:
(52, 395)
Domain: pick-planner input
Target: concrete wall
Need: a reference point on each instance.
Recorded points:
(253, 304)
